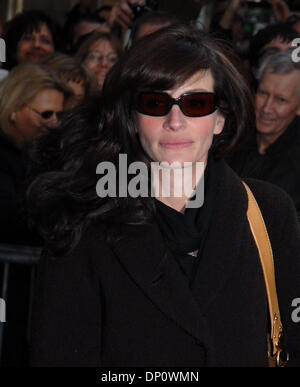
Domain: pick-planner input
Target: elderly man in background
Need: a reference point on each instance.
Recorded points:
(273, 152)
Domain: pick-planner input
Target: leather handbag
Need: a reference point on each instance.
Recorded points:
(277, 355)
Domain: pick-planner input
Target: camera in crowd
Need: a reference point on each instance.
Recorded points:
(150, 5)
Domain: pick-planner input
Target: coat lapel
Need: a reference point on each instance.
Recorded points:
(160, 278)
(225, 241)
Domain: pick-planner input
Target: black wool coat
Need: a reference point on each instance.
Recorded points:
(12, 174)
(129, 304)
(14, 227)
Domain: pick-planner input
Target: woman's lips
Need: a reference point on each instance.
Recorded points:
(175, 144)
(35, 54)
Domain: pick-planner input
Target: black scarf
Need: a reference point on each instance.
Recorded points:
(184, 233)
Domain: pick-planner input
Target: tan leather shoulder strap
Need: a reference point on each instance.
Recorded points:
(261, 237)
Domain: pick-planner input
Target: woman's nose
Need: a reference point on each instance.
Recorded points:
(36, 42)
(175, 119)
(104, 62)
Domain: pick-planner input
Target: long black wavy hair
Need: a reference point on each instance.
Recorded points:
(63, 198)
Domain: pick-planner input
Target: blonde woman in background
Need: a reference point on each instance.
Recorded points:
(31, 97)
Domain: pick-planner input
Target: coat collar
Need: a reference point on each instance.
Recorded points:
(158, 274)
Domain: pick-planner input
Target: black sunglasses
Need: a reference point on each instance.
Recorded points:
(158, 104)
(46, 115)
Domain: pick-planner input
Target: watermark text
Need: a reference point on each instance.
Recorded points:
(296, 312)
(296, 51)
(2, 50)
(161, 180)
(2, 311)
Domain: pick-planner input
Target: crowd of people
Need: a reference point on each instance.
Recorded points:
(76, 95)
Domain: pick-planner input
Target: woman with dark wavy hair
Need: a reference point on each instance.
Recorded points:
(137, 270)
(30, 37)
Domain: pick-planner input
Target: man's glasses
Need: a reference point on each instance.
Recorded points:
(191, 104)
(46, 115)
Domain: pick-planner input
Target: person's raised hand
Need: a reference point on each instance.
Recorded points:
(280, 9)
(121, 13)
(230, 11)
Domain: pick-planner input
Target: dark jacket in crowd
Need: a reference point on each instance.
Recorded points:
(130, 303)
(279, 164)
(13, 221)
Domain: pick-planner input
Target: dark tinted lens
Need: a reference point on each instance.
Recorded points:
(198, 104)
(46, 115)
(153, 104)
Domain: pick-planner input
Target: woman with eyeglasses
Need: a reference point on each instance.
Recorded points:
(99, 52)
(31, 98)
(160, 277)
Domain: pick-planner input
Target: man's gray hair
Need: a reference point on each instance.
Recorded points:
(279, 63)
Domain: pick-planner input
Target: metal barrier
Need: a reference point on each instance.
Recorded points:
(16, 254)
